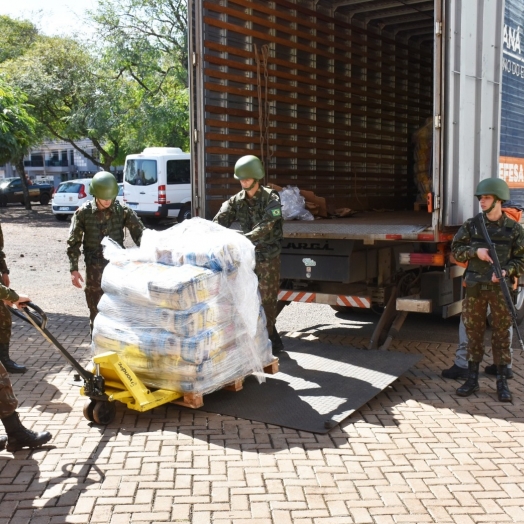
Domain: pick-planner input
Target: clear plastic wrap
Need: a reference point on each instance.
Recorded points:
(294, 204)
(147, 283)
(184, 323)
(183, 310)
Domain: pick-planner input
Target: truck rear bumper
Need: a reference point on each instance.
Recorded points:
(360, 301)
(163, 211)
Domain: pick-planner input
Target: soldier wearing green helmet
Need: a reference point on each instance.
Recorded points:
(259, 212)
(483, 287)
(103, 216)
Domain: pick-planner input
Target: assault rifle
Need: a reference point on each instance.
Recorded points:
(479, 220)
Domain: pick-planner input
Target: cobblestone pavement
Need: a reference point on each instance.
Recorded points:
(416, 453)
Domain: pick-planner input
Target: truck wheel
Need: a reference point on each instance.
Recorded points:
(185, 213)
(44, 199)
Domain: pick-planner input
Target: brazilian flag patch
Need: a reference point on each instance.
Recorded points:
(276, 212)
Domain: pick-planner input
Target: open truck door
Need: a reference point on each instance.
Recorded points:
(468, 149)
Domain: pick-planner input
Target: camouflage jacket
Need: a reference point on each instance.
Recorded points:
(7, 293)
(3, 265)
(260, 218)
(508, 239)
(90, 225)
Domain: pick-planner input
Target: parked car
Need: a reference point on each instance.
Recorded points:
(11, 192)
(69, 196)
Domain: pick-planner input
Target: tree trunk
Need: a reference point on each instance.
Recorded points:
(19, 164)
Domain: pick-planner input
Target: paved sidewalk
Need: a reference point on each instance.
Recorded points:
(416, 453)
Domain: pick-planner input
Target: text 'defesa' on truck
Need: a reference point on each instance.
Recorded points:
(393, 110)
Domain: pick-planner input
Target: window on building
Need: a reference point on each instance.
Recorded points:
(37, 160)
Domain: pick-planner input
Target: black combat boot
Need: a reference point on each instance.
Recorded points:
(503, 392)
(276, 342)
(455, 372)
(472, 383)
(10, 365)
(492, 370)
(19, 437)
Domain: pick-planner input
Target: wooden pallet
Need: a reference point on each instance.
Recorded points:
(196, 400)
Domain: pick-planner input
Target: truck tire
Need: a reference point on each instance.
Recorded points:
(185, 213)
(45, 199)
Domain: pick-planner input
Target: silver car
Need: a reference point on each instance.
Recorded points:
(69, 196)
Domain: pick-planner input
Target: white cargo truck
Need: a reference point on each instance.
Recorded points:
(394, 109)
(157, 183)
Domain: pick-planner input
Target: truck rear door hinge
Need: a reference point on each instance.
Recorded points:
(195, 135)
(438, 122)
(195, 59)
(438, 28)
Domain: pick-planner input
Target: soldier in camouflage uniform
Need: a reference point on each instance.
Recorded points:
(5, 319)
(18, 436)
(94, 220)
(259, 212)
(482, 286)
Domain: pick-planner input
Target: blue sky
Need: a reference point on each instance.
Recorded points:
(53, 17)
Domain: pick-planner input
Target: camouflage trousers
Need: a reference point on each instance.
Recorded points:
(8, 401)
(474, 310)
(268, 273)
(93, 289)
(5, 324)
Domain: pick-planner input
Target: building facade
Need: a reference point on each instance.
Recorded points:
(55, 162)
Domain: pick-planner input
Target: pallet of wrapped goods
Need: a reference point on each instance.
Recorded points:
(183, 310)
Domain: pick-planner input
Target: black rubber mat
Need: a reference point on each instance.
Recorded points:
(317, 387)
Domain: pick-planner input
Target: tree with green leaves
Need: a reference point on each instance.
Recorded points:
(72, 97)
(18, 130)
(145, 42)
(16, 37)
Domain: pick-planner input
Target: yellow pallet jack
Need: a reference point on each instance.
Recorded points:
(112, 380)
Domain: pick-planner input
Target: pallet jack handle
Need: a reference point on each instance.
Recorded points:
(35, 316)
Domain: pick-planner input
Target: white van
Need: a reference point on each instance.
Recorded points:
(157, 183)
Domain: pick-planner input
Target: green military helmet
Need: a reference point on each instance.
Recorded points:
(493, 186)
(104, 186)
(249, 166)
